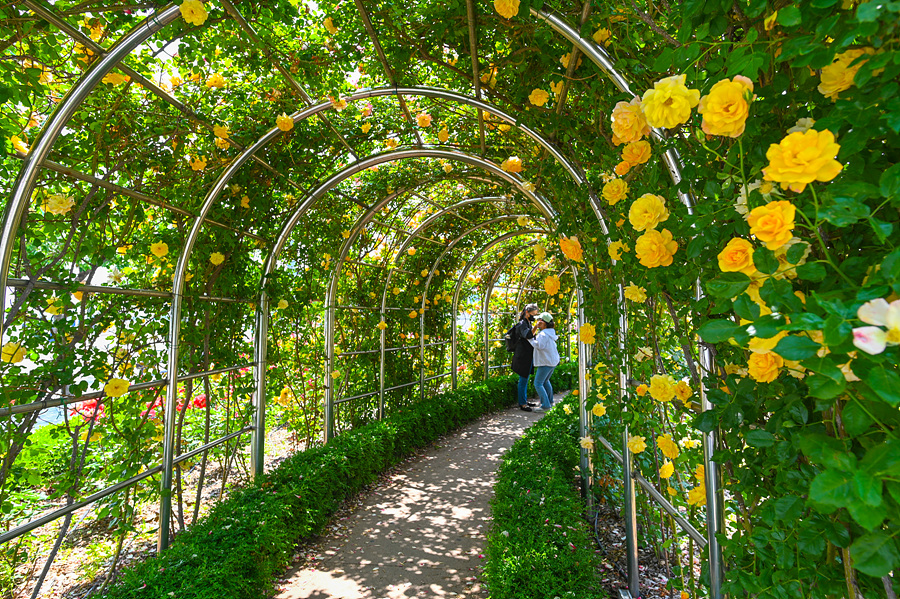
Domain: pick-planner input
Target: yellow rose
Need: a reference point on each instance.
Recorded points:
(615, 191)
(697, 496)
(635, 293)
(602, 35)
(221, 131)
(423, 119)
(336, 374)
(564, 60)
(641, 390)
(666, 470)
(193, 12)
(551, 285)
(115, 78)
(599, 410)
(765, 368)
(411, 251)
(622, 168)
(726, 108)
(54, 306)
(636, 152)
(329, 25)
(655, 248)
(567, 409)
(758, 345)
(413, 314)
(587, 443)
(365, 127)
(382, 325)
(513, 164)
(647, 211)
(443, 135)
(198, 163)
(58, 204)
(801, 158)
(540, 254)
(215, 80)
(507, 8)
(628, 121)
(556, 88)
(838, 76)
(616, 248)
(662, 387)
(13, 353)
(284, 122)
(245, 202)
(448, 167)
(18, 144)
(667, 446)
(669, 103)
(636, 444)
(216, 258)
(539, 97)
(159, 249)
(773, 224)
(737, 257)
(116, 387)
(683, 391)
(571, 247)
(282, 304)
(587, 334)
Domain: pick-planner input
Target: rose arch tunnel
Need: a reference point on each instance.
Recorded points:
(239, 236)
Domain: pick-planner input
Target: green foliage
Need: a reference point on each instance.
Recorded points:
(540, 543)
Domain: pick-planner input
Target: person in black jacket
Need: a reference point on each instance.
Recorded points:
(522, 358)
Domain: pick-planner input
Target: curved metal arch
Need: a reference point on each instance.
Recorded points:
(487, 301)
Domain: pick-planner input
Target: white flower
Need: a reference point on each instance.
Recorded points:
(802, 126)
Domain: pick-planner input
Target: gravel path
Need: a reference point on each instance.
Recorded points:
(422, 532)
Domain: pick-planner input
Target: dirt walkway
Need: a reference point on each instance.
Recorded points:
(422, 533)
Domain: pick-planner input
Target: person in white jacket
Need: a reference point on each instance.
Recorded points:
(546, 358)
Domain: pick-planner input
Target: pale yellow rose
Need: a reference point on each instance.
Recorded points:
(839, 75)
(636, 444)
(669, 103)
(655, 248)
(329, 26)
(215, 80)
(443, 135)
(662, 387)
(507, 8)
(628, 121)
(193, 12)
(539, 97)
(647, 211)
(801, 158)
(615, 191)
(635, 293)
(615, 249)
(667, 446)
(587, 443)
(540, 254)
(58, 203)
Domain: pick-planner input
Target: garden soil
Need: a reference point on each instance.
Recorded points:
(421, 531)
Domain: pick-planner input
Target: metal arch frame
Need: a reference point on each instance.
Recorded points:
(487, 301)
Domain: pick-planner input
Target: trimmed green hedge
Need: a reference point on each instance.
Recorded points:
(237, 549)
(540, 545)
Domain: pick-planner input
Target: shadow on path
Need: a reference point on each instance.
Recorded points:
(421, 534)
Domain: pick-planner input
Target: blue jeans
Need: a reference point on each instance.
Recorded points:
(542, 384)
(523, 390)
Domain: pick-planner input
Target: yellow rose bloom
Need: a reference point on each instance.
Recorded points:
(587, 334)
(726, 108)
(700, 474)
(58, 203)
(667, 446)
(215, 80)
(655, 248)
(365, 127)
(636, 152)
(567, 409)
(587, 443)
(507, 8)
(413, 314)
(564, 60)
(282, 304)
(765, 368)
(556, 88)
(336, 374)
(423, 119)
(193, 12)
(662, 387)
(683, 391)
(801, 158)
(636, 444)
(411, 251)
(540, 254)
(115, 78)
(773, 224)
(18, 144)
(198, 163)
(329, 26)
(443, 135)
(116, 387)
(737, 257)
(622, 168)
(571, 247)
(159, 249)
(647, 211)
(641, 390)
(513, 164)
(538, 97)
(448, 167)
(669, 103)
(216, 258)
(284, 122)
(628, 121)
(602, 35)
(697, 496)
(616, 248)
(382, 325)
(759, 345)
(424, 273)
(13, 353)
(666, 470)
(635, 293)
(839, 75)
(551, 285)
(245, 202)
(615, 191)
(599, 410)
(54, 306)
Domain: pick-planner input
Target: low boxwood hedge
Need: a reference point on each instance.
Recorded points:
(236, 550)
(539, 544)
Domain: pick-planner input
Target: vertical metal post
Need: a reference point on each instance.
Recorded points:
(384, 296)
(583, 429)
(486, 319)
(328, 428)
(631, 552)
(258, 435)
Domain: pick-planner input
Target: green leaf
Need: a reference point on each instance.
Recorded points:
(716, 331)
(728, 285)
(869, 517)
(746, 308)
(889, 182)
(869, 11)
(831, 487)
(836, 330)
(823, 387)
(867, 487)
(765, 261)
(811, 271)
(760, 438)
(855, 419)
(788, 508)
(796, 251)
(885, 383)
(882, 229)
(875, 554)
(882, 459)
(797, 347)
(706, 421)
(789, 16)
(842, 212)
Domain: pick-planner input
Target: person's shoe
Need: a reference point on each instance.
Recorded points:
(525, 408)
(533, 403)
(538, 409)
